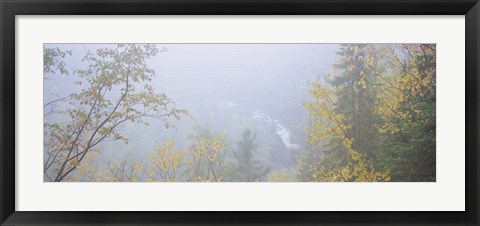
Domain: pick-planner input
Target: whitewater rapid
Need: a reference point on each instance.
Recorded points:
(281, 130)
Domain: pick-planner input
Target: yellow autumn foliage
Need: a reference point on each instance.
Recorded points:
(327, 124)
(206, 156)
(165, 162)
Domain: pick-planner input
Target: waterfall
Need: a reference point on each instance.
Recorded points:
(281, 130)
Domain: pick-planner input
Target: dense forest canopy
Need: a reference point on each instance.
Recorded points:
(239, 112)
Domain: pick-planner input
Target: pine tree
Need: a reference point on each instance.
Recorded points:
(343, 134)
(248, 168)
(355, 88)
(407, 108)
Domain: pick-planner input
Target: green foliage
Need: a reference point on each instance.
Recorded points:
(407, 108)
(248, 168)
(377, 111)
(53, 61)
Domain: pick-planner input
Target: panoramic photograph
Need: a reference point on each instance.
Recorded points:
(239, 112)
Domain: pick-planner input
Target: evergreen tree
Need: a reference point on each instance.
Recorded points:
(376, 113)
(248, 168)
(407, 108)
(355, 88)
(343, 134)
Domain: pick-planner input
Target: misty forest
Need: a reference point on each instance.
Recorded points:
(239, 112)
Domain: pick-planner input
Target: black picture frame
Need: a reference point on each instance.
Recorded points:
(9, 9)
